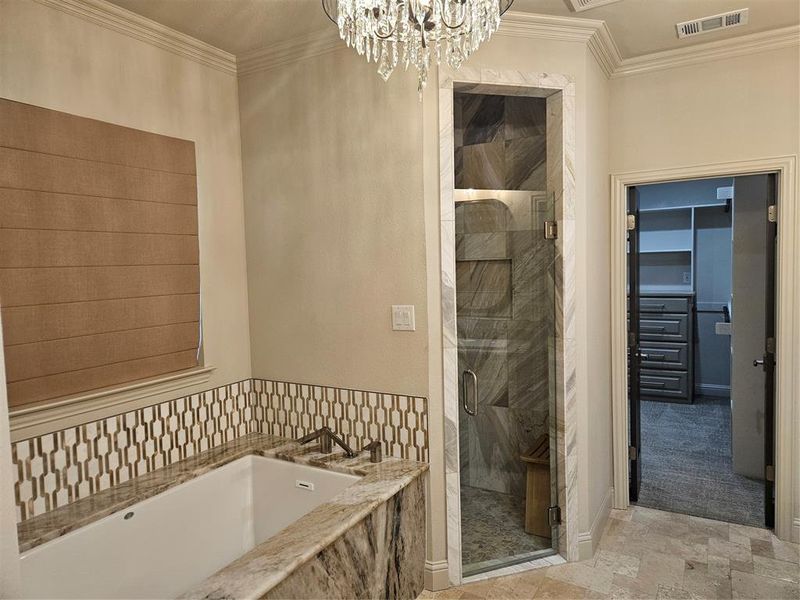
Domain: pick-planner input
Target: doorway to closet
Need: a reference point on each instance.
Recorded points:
(701, 338)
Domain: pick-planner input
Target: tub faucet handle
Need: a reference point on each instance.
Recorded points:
(375, 449)
(326, 439)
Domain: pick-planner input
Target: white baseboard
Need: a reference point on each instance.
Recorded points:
(712, 389)
(436, 575)
(589, 540)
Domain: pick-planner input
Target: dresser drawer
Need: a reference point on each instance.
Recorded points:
(664, 305)
(664, 328)
(664, 384)
(665, 355)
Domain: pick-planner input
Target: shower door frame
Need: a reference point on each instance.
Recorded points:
(559, 91)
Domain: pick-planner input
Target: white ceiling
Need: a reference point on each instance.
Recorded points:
(638, 26)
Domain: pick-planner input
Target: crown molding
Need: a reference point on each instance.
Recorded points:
(530, 25)
(282, 53)
(593, 33)
(710, 51)
(146, 30)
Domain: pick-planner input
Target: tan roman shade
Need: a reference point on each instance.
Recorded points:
(99, 274)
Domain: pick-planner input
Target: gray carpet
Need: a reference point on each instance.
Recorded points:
(493, 527)
(687, 465)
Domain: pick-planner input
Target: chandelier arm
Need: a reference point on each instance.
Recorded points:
(327, 12)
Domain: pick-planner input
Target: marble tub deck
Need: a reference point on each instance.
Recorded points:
(258, 571)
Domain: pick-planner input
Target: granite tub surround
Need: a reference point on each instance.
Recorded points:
(382, 556)
(59, 468)
(292, 410)
(376, 526)
(385, 506)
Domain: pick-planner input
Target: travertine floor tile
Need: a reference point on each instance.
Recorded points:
(749, 586)
(649, 554)
(584, 575)
(777, 569)
(553, 588)
(674, 593)
(616, 562)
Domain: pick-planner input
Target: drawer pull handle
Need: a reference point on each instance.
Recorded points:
(657, 356)
(661, 306)
(653, 327)
(659, 384)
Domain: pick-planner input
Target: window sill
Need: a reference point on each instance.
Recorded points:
(42, 419)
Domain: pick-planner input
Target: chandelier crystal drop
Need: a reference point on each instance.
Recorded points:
(415, 33)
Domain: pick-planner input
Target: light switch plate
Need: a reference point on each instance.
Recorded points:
(403, 318)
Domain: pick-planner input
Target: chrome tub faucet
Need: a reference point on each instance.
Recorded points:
(326, 438)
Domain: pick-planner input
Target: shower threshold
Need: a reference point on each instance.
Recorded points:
(486, 566)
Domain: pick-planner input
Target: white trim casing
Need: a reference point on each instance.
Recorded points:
(588, 541)
(36, 420)
(787, 376)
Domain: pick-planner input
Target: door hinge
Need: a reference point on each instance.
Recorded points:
(772, 213)
(633, 453)
(771, 345)
(769, 473)
(551, 230)
(631, 222)
(554, 515)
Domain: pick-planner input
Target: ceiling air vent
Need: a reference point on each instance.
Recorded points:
(579, 5)
(712, 23)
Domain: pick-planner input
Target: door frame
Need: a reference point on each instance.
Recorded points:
(559, 90)
(787, 374)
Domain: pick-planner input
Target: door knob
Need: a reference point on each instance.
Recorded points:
(758, 363)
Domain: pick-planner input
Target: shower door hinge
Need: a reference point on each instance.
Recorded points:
(769, 473)
(772, 213)
(554, 515)
(633, 453)
(631, 222)
(551, 230)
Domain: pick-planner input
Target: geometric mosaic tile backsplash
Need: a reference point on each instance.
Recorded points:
(292, 410)
(60, 467)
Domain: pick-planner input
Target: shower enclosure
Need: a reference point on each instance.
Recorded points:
(505, 323)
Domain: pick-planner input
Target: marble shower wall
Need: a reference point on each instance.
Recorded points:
(500, 142)
(505, 312)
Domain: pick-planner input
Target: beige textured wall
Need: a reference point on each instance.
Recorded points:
(335, 228)
(734, 109)
(596, 231)
(52, 59)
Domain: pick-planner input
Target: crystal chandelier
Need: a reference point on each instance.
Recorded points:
(415, 32)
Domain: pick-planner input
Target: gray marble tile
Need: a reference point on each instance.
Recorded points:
(482, 118)
(526, 163)
(482, 166)
(525, 117)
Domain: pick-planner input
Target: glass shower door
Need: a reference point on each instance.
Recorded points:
(505, 313)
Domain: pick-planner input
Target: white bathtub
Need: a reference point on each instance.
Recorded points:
(164, 545)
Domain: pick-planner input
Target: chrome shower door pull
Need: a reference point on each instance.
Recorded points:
(471, 373)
